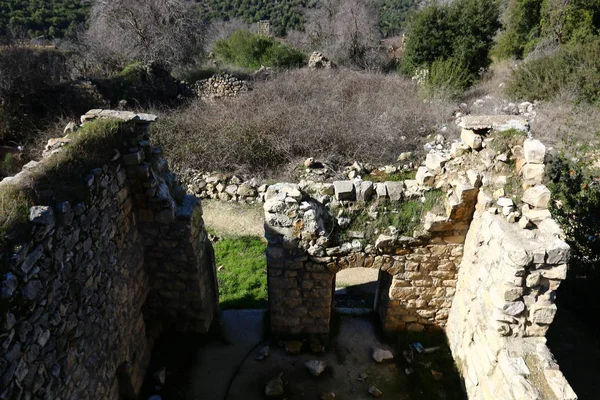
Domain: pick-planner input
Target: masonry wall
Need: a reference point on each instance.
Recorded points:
(83, 299)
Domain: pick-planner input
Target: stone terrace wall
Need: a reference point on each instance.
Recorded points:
(87, 294)
(514, 260)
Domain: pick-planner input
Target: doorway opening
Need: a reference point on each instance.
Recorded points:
(356, 290)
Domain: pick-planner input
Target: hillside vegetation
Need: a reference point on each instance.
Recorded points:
(33, 18)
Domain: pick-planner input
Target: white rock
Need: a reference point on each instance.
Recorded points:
(424, 177)
(380, 355)
(505, 202)
(534, 150)
(533, 174)
(471, 139)
(537, 196)
(316, 367)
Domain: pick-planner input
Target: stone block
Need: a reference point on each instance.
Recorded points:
(534, 151)
(381, 190)
(533, 174)
(537, 196)
(364, 190)
(395, 190)
(559, 385)
(435, 162)
(344, 190)
(424, 177)
(543, 314)
(471, 139)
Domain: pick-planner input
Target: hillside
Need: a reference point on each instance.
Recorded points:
(34, 18)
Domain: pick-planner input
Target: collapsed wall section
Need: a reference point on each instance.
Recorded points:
(91, 283)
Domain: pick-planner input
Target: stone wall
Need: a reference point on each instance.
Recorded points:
(514, 261)
(417, 274)
(86, 293)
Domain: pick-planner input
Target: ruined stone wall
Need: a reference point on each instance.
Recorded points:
(514, 261)
(417, 274)
(84, 296)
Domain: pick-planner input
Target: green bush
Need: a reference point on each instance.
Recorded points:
(448, 78)
(574, 70)
(463, 31)
(249, 50)
(132, 73)
(521, 29)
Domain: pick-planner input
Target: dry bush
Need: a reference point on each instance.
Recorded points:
(337, 116)
(560, 123)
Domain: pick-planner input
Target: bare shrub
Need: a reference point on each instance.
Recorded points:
(345, 31)
(562, 123)
(122, 31)
(336, 116)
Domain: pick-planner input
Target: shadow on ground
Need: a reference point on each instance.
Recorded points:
(223, 365)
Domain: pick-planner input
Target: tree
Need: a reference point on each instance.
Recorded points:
(463, 31)
(123, 31)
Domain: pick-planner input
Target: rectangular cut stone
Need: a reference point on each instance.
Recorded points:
(344, 190)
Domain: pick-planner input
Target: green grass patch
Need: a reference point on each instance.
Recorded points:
(405, 216)
(243, 276)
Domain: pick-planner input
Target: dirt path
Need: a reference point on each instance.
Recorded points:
(233, 219)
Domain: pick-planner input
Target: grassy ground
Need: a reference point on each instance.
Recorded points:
(241, 272)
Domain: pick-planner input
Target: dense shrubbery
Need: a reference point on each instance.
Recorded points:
(249, 50)
(298, 114)
(529, 22)
(462, 31)
(576, 207)
(284, 15)
(574, 70)
(34, 18)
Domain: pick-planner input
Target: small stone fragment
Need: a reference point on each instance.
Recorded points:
(328, 396)
(315, 367)
(264, 353)
(274, 387)
(373, 391)
(380, 355)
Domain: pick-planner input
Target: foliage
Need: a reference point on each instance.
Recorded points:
(284, 15)
(120, 32)
(529, 22)
(573, 70)
(381, 176)
(249, 50)
(34, 18)
(243, 277)
(463, 30)
(392, 15)
(521, 29)
(575, 206)
(447, 78)
(298, 114)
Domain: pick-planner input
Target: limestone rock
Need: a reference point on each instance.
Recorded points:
(395, 190)
(537, 196)
(533, 174)
(373, 391)
(274, 387)
(471, 139)
(344, 190)
(316, 367)
(435, 162)
(534, 151)
(380, 355)
(364, 190)
(41, 215)
(318, 61)
(424, 177)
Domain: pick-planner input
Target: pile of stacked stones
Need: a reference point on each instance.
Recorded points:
(220, 85)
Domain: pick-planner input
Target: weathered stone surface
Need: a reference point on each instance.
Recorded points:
(424, 177)
(471, 139)
(364, 190)
(534, 151)
(274, 387)
(344, 190)
(533, 174)
(496, 122)
(537, 196)
(395, 190)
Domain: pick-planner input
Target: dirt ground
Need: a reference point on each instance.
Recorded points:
(233, 219)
